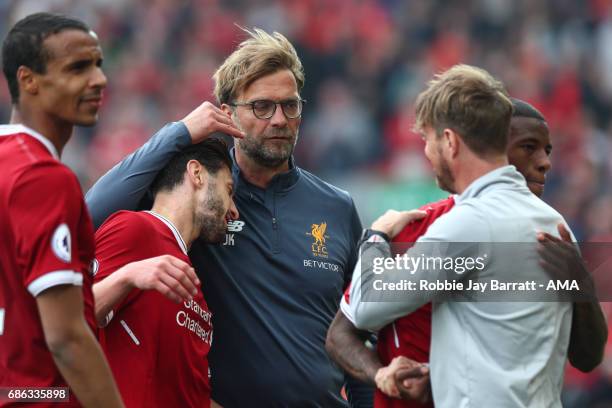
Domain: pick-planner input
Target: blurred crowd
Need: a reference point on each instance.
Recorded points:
(365, 62)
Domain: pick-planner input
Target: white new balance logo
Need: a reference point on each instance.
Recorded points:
(235, 226)
(232, 226)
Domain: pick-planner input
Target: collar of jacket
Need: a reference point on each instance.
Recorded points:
(280, 182)
(505, 175)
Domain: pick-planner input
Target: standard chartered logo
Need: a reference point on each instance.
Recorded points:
(184, 320)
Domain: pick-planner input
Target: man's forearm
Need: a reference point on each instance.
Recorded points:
(124, 186)
(345, 345)
(75, 351)
(588, 337)
(373, 309)
(82, 364)
(108, 293)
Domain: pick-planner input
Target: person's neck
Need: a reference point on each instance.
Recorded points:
(180, 212)
(256, 174)
(474, 167)
(58, 132)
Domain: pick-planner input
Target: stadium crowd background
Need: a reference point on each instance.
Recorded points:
(365, 62)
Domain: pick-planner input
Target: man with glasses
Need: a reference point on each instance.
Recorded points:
(274, 285)
(265, 109)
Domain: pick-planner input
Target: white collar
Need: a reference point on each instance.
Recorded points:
(6, 130)
(174, 230)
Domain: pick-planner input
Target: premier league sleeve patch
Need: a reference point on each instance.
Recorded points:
(61, 244)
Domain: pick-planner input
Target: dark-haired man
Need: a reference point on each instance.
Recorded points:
(52, 65)
(529, 148)
(157, 348)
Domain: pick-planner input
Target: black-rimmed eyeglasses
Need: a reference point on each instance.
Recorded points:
(265, 109)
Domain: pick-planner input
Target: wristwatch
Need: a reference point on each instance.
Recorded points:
(369, 233)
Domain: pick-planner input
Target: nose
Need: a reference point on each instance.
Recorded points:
(98, 79)
(233, 213)
(278, 119)
(544, 163)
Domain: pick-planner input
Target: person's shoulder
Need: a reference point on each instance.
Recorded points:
(463, 222)
(440, 206)
(322, 188)
(415, 229)
(128, 222)
(23, 145)
(45, 177)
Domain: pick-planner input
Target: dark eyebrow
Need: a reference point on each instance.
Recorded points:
(82, 63)
(529, 139)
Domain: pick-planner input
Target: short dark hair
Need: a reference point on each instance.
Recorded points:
(23, 45)
(524, 109)
(212, 153)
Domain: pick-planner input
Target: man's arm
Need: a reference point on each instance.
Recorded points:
(588, 336)
(373, 306)
(124, 186)
(346, 346)
(589, 332)
(74, 349)
(168, 275)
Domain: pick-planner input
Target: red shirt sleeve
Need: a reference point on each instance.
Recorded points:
(45, 208)
(122, 239)
(415, 229)
(407, 236)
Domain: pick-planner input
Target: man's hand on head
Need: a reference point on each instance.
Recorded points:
(392, 222)
(207, 119)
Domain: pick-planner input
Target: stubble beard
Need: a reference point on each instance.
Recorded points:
(267, 155)
(211, 218)
(444, 176)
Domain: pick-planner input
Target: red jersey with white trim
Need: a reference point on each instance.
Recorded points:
(46, 240)
(157, 349)
(409, 336)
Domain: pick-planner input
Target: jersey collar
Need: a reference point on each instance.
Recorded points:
(6, 130)
(175, 231)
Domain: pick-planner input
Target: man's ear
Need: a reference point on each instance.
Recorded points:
(451, 142)
(227, 109)
(27, 80)
(197, 174)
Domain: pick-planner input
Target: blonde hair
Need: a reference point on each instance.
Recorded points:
(257, 56)
(469, 101)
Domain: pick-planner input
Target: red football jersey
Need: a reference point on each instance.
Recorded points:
(47, 240)
(409, 336)
(157, 349)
